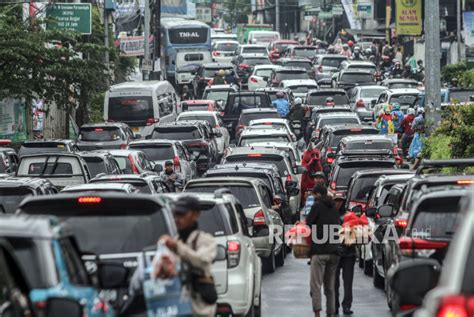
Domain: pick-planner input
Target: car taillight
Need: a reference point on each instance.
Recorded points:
(177, 164)
(216, 53)
(253, 80)
(456, 306)
(132, 162)
(241, 126)
(244, 66)
(151, 121)
(329, 160)
(40, 305)
(360, 103)
(465, 182)
(98, 129)
(259, 218)
(419, 247)
(333, 185)
(233, 253)
(254, 155)
(401, 223)
(89, 200)
(198, 144)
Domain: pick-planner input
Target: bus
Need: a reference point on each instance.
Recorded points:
(178, 33)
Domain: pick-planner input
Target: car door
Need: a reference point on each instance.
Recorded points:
(224, 131)
(184, 162)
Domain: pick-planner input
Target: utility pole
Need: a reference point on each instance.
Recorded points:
(156, 39)
(146, 57)
(432, 60)
(106, 42)
(458, 29)
(277, 15)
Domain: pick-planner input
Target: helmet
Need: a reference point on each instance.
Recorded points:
(345, 46)
(454, 80)
(411, 111)
(398, 63)
(420, 110)
(420, 62)
(318, 41)
(227, 72)
(386, 108)
(350, 43)
(298, 101)
(280, 94)
(329, 99)
(356, 48)
(221, 73)
(396, 106)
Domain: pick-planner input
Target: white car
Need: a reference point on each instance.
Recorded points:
(260, 76)
(263, 37)
(249, 136)
(215, 121)
(273, 123)
(406, 97)
(253, 49)
(299, 87)
(237, 269)
(224, 51)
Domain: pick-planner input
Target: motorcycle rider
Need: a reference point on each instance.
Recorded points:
(330, 102)
(357, 55)
(346, 51)
(386, 64)
(397, 70)
(297, 113)
(281, 105)
(219, 79)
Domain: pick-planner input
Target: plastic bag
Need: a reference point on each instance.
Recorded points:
(164, 262)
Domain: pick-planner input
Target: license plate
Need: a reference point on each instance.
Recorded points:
(135, 129)
(109, 295)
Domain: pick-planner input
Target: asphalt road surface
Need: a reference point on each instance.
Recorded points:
(286, 293)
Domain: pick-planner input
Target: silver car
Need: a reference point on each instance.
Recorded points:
(361, 100)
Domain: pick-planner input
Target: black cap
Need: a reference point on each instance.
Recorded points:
(168, 163)
(186, 204)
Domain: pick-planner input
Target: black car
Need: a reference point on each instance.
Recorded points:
(318, 97)
(197, 138)
(108, 135)
(110, 228)
(147, 183)
(246, 63)
(14, 190)
(100, 162)
(236, 102)
(348, 79)
(205, 74)
(47, 146)
(287, 73)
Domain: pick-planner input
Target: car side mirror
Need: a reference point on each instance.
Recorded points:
(221, 253)
(371, 212)
(331, 155)
(61, 306)
(412, 279)
(293, 191)
(158, 168)
(385, 211)
(357, 209)
(299, 170)
(112, 276)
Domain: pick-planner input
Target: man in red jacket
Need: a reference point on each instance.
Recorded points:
(407, 130)
(312, 165)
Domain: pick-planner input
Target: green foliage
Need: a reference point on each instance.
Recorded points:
(453, 71)
(236, 11)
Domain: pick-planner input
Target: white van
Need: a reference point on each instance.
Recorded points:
(141, 104)
(187, 64)
(263, 37)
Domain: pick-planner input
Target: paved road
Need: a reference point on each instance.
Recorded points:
(286, 293)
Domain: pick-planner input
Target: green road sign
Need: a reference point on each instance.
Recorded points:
(70, 16)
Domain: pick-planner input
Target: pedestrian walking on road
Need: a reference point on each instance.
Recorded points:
(324, 258)
(281, 105)
(169, 176)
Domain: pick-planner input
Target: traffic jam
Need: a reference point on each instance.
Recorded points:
(197, 193)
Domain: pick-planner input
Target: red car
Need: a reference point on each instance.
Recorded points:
(278, 47)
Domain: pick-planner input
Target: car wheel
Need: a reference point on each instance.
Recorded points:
(368, 267)
(379, 281)
(269, 264)
(280, 258)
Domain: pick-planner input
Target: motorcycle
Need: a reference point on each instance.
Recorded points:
(297, 128)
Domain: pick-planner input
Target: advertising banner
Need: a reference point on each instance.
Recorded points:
(12, 120)
(408, 17)
(132, 46)
(469, 37)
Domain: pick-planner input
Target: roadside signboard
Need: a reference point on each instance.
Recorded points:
(365, 11)
(70, 16)
(132, 46)
(408, 17)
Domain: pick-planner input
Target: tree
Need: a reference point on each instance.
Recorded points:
(236, 11)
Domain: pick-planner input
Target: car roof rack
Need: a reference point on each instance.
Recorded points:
(437, 165)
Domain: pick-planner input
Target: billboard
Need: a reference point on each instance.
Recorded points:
(132, 46)
(174, 7)
(13, 120)
(408, 17)
(469, 37)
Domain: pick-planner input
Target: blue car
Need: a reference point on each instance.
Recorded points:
(49, 257)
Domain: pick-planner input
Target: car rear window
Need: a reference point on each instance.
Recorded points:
(227, 47)
(344, 120)
(371, 92)
(287, 75)
(320, 99)
(302, 89)
(255, 61)
(214, 94)
(404, 100)
(117, 234)
(338, 135)
(10, 198)
(210, 118)
(141, 185)
(211, 72)
(155, 152)
(247, 140)
(264, 72)
(100, 134)
(332, 62)
(271, 159)
(438, 217)
(305, 51)
(356, 78)
(263, 177)
(197, 106)
(370, 145)
(345, 171)
(212, 222)
(245, 118)
(182, 133)
(361, 187)
(40, 147)
(244, 102)
(51, 169)
(305, 65)
(96, 165)
(124, 164)
(254, 50)
(245, 194)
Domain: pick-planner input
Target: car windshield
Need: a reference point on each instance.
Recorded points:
(155, 152)
(256, 61)
(117, 234)
(371, 92)
(370, 145)
(332, 121)
(347, 170)
(184, 133)
(305, 51)
(403, 99)
(227, 47)
(259, 158)
(361, 188)
(99, 134)
(353, 78)
(245, 118)
(254, 50)
(264, 72)
(439, 217)
(96, 165)
(214, 94)
(292, 75)
(320, 99)
(332, 62)
(50, 169)
(305, 65)
(123, 109)
(245, 102)
(209, 118)
(212, 222)
(302, 89)
(247, 140)
(10, 198)
(245, 194)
